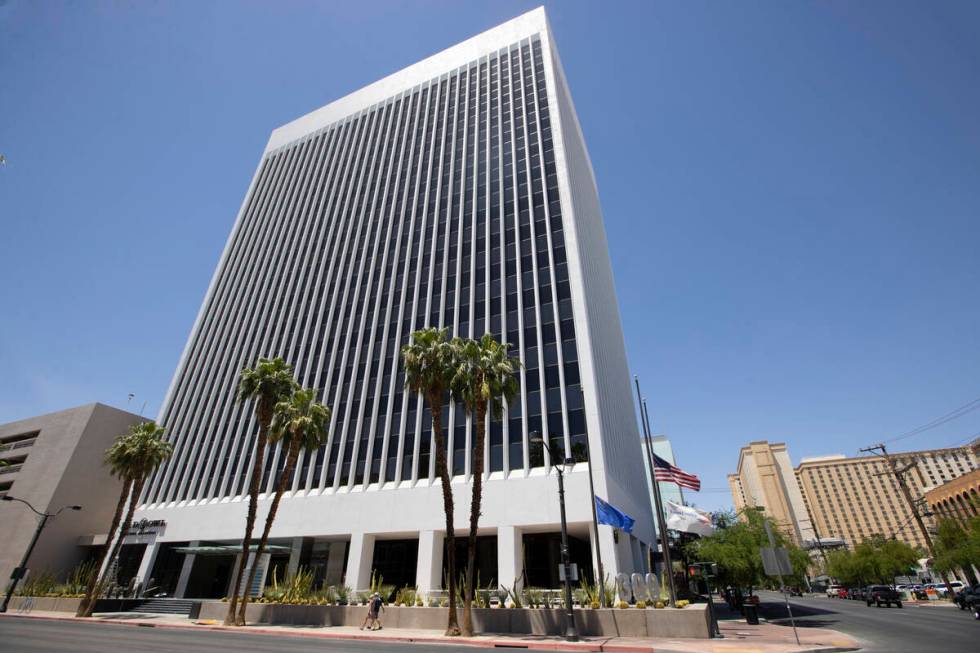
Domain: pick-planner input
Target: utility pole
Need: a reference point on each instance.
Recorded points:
(826, 565)
(900, 477)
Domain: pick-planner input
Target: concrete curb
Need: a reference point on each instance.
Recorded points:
(599, 646)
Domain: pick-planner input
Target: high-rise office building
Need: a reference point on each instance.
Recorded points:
(455, 193)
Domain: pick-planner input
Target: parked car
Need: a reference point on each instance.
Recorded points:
(882, 595)
(856, 593)
(842, 593)
(833, 591)
(942, 590)
(963, 597)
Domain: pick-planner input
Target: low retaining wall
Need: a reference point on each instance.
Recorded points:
(57, 604)
(43, 604)
(691, 622)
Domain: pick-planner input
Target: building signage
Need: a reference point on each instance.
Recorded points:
(146, 526)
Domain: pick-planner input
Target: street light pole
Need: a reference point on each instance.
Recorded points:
(21, 569)
(571, 632)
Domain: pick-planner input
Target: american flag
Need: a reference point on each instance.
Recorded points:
(666, 472)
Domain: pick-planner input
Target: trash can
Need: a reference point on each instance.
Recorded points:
(751, 614)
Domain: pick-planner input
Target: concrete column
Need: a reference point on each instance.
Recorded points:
(234, 570)
(637, 555)
(510, 555)
(296, 550)
(428, 571)
(185, 572)
(611, 564)
(146, 564)
(359, 560)
(335, 563)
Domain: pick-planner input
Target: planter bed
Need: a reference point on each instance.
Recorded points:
(692, 621)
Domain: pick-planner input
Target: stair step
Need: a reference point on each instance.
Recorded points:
(165, 606)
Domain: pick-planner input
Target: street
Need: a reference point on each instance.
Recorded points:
(910, 629)
(37, 636)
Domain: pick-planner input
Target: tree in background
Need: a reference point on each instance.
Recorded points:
(957, 546)
(132, 457)
(875, 560)
(735, 547)
(268, 383)
(299, 423)
(430, 362)
(484, 376)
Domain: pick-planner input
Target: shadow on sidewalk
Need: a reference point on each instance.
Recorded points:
(806, 616)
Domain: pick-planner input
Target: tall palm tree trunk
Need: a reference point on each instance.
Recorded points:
(442, 469)
(284, 476)
(88, 603)
(481, 434)
(258, 468)
(124, 528)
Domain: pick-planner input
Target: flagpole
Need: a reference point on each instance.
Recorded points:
(601, 581)
(659, 508)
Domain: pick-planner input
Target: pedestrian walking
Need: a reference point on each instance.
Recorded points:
(375, 608)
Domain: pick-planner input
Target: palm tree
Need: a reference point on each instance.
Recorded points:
(132, 457)
(300, 423)
(429, 365)
(146, 450)
(483, 376)
(268, 383)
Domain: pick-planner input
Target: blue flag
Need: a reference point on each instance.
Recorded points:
(607, 514)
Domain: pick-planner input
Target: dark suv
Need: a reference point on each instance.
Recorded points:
(963, 596)
(882, 595)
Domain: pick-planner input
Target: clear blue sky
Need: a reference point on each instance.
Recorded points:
(791, 193)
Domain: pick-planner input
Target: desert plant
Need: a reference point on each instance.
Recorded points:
(514, 593)
(533, 597)
(622, 605)
(79, 577)
(43, 583)
(641, 604)
(406, 596)
(343, 595)
(377, 580)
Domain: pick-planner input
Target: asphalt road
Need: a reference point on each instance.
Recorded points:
(37, 636)
(911, 629)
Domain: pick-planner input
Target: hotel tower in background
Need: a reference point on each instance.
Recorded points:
(457, 192)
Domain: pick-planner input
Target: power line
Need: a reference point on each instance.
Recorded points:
(939, 421)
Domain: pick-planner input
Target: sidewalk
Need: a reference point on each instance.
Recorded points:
(738, 637)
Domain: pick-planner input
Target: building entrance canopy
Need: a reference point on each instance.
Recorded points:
(227, 549)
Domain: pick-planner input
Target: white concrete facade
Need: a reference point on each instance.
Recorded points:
(351, 192)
